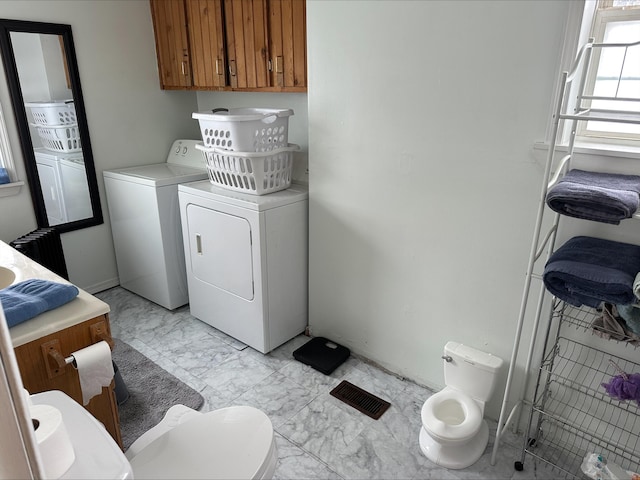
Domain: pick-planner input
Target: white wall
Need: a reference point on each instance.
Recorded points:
(130, 119)
(424, 184)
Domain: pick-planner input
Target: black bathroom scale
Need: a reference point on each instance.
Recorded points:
(322, 354)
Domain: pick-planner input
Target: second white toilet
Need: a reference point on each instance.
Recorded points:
(454, 433)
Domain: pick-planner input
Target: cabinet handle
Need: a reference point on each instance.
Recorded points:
(198, 244)
(219, 70)
(184, 68)
(278, 62)
(232, 68)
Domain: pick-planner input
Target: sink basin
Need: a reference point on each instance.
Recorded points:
(6, 277)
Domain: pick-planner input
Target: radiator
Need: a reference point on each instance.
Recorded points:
(43, 246)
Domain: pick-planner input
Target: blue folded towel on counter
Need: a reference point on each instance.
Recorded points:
(601, 197)
(30, 298)
(588, 271)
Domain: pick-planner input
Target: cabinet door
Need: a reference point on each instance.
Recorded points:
(246, 32)
(172, 47)
(40, 374)
(288, 43)
(206, 38)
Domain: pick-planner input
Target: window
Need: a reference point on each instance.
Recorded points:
(6, 162)
(616, 70)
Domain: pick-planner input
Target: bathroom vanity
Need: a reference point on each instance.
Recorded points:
(42, 343)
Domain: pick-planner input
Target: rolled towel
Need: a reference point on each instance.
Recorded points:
(601, 197)
(636, 286)
(588, 271)
(631, 315)
(30, 298)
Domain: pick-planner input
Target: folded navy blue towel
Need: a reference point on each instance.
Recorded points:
(588, 271)
(601, 197)
(30, 298)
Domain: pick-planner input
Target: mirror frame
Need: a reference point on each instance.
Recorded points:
(11, 71)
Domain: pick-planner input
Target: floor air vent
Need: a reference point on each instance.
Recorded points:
(360, 399)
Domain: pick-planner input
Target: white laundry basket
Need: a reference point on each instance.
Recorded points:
(256, 173)
(60, 138)
(54, 113)
(245, 129)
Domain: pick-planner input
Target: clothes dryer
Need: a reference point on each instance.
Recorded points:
(145, 223)
(247, 261)
(48, 165)
(75, 188)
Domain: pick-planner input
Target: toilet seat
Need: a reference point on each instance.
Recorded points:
(233, 442)
(455, 430)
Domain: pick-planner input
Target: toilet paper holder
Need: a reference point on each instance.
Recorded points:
(55, 362)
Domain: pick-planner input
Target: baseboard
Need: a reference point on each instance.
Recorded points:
(99, 287)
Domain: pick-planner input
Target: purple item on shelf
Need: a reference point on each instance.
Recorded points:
(624, 387)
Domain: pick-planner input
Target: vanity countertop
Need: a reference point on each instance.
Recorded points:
(84, 307)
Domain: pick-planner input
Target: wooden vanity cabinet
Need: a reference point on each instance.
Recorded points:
(250, 45)
(41, 372)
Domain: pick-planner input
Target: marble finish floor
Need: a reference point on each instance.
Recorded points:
(318, 437)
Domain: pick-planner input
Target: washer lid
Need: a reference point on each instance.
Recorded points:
(233, 442)
(157, 174)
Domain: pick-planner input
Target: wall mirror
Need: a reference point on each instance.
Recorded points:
(42, 74)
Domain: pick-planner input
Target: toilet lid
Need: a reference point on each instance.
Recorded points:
(233, 442)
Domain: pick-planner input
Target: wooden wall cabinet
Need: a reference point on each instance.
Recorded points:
(250, 45)
(40, 372)
(172, 45)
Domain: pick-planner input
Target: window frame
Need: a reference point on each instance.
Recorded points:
(7, 161)
(601, 18)
(579, 21)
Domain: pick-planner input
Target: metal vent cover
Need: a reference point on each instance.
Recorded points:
(360, 399)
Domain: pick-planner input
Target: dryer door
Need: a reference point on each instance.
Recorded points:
(220, 247)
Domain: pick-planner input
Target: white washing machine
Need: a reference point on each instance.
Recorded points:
(145, 223)
(75, 187)
(247, 261)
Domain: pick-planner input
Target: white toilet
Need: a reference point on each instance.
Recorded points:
(454, 433)
(230, 443)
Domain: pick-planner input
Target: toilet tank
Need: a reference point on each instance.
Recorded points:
(470, 370)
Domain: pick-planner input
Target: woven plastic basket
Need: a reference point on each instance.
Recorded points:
(61, 138)
(53, 113)
(256, 173)
(245, 129)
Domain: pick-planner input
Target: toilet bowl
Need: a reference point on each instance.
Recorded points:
(230, 443)
(451, 417)
(454, 433)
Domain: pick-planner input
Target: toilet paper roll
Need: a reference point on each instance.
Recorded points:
(54, 443)
(95, 369)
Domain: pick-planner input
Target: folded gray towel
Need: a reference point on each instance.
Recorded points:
(601, 197)
(588, 271)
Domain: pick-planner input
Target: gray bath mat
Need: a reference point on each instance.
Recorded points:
(152, 391)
